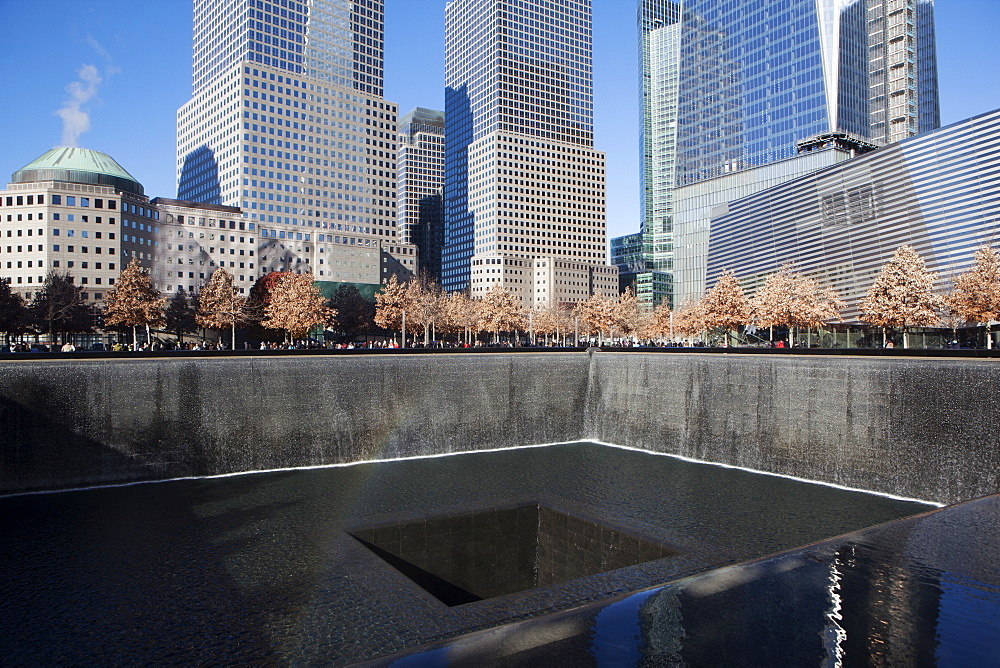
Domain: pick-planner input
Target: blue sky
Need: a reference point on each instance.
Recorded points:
(140, 57)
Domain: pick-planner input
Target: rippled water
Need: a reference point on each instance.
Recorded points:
(260, 567)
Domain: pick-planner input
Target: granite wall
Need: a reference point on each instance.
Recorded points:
(66, 423)
(923, 428)
(918, 427)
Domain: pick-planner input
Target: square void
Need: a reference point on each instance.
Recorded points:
(474, 556)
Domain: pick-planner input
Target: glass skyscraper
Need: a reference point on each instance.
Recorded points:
(732, 86)
(522, 179)
(287, 122)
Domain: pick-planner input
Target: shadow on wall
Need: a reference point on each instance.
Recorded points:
(199, 180)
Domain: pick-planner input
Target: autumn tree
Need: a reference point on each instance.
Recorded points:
(179, 316)
(725, 307)
(60, 307)
(659, 322)
(975, 296)
(13, 310)
(260, 294)
(462, 313)
(134, 302)
(297, 306)
(424, 305)
(553, 321)
(902, 295)
(789, 299)
(599, 314)
(355, 314)
(628, 311)
(689, 321)
(390, 302)
(501, 312)
(220, 306)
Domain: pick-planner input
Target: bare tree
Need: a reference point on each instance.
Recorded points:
(902, 295)
(976, 293)
(725, 307)
(134, 302)
(297, 306)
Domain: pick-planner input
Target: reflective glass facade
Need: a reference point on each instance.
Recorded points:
(336, 41)
(287, 122)
(734, 86)
(516, 69)
(939, 192)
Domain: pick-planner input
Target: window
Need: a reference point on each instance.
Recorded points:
(56, 199)
(70, 200)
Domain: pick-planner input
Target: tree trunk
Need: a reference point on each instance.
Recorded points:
(135, 339)
(234, 335)
(989, 336)
(906, 339)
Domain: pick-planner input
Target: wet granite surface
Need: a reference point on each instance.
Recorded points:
(72, 423)
(922, 428)
(260, 568)
(920, 591)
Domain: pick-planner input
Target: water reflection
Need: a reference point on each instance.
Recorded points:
(917, 591)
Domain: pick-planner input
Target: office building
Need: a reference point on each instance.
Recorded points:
(523, 182)
(731, 87)
(77, 211)
(420, 178)
(288, 123)
(937, 192)
(195, 239)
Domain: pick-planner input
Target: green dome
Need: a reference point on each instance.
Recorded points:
(78, 165)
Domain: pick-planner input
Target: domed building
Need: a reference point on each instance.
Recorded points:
(64, 212)
(77, 211)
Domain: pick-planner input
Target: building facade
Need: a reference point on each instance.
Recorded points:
(729, 87)
(938, 192)
(287, 122)
(195, 239)
(522, 179)
(76, 211)
(420, 178)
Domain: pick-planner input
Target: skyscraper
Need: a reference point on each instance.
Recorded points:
(902, 69)
(728, 87)
(287, 121)
(523, 183)
(420, 170)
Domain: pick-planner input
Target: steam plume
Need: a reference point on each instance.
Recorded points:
(76, 120)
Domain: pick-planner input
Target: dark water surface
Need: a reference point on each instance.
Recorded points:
(261, 567)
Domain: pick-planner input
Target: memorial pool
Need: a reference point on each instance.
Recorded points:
(269, 566)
